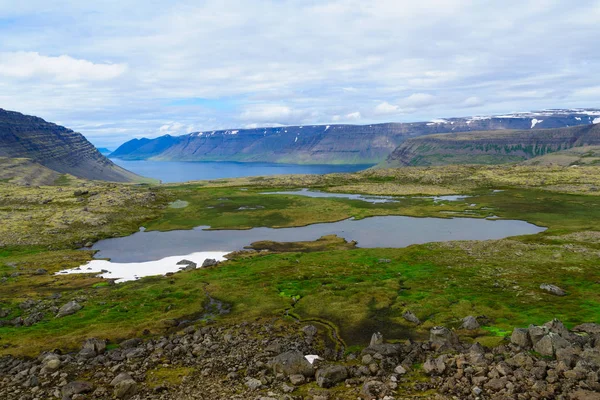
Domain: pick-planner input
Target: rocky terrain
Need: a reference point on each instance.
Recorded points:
(57, 148)
(277, 360)
(491, 147)
(330, 144)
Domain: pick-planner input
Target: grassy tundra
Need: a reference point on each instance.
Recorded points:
(354, 290)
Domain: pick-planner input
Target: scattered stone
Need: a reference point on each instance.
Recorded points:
(297, 379)
(442, 338)
(376, 338)
(68, 309)
(553, 289)
(330, 375)
(520, 337)
(292, 363)
(373, 390)
(76, 387)
(470, 323)
(411, 317)
(209, 262)
(253, 384)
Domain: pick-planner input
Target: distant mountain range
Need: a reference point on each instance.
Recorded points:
(334, 144)
(54, 147)
(487, 147)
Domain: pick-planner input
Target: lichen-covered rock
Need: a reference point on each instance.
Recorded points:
(553, 289)
(331, 375)
(68, 309)
(442, 338)
(292, 363)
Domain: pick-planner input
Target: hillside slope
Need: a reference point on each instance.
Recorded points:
(494, 147)
(586, 155)
(57, 148)
(23, 171)
(329, 144)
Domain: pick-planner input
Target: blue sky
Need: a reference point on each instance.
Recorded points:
(115, 70)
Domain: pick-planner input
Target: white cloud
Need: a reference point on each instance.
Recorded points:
(175, 128)
(125, 74)
(386, 108)
(418, 100)
(62, 68)
(472, 101)
(267, 112)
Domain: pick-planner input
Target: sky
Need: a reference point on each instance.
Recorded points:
(117, 70)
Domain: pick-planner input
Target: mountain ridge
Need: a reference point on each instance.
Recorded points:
(331, 144)
(486, 147)
(57, 148)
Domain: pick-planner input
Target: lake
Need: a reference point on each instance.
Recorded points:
(183, 171)
(155, 253)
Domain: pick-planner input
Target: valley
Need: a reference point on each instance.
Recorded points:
(348, 292)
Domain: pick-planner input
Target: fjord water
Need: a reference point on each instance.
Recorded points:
(183, 171)
(385, 231)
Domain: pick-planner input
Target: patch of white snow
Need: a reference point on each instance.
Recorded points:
(132, 271)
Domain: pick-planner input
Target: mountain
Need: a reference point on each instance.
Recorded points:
(330, 144)
(104, 151)
(491, 147)
(57, 148)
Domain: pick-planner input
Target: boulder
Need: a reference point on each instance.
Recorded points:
(411, 317)
(209, 262)
(68, 309)
(123, 376)
(331, 375)
(376, 338)
(130, 343)
(373, 390)
(76, 387)
(442, 338)
(253, 383)
(520, 337)
(469, 323)
(550, 343)
(97, 346)
(125, 389)
(310, 330)
(292, 363)
(588, 327)
(297, 379)
(553, 289)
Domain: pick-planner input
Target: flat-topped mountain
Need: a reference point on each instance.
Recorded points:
(57, 148)
(331, 144)
(491, 147)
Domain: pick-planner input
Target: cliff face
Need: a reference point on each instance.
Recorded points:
(329, 144)
(56, 147)
(492, 147)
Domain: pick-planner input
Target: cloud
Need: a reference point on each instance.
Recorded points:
(221, 64)
(175, 128)
(418, 100)
(63, 68)
(472, 101)
(386, 108)
(267, 112)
